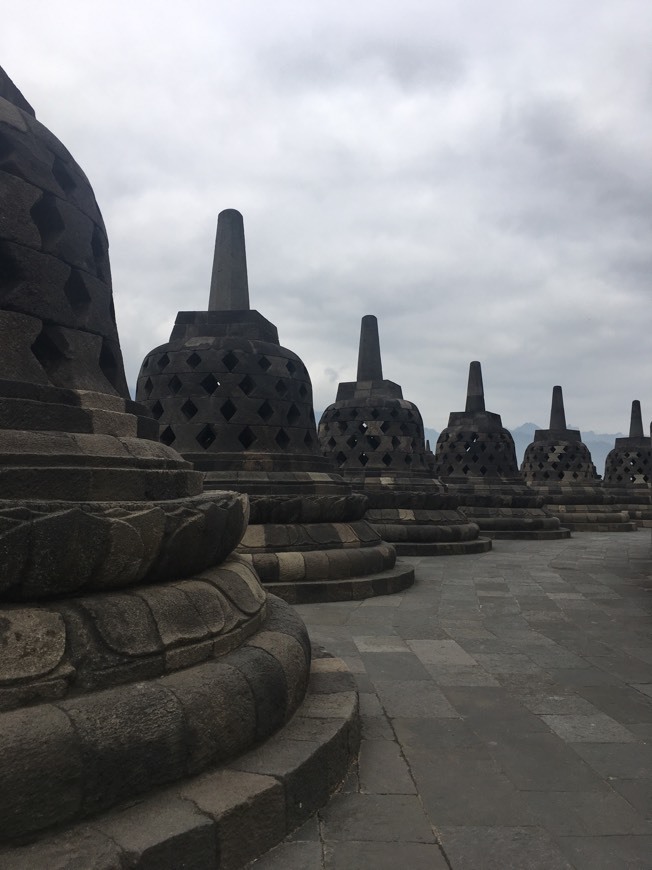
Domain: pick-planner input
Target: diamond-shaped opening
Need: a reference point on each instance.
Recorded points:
(157, 411)
(281, 387)
(148, 387)
(363, 459)
(385, 426)
(308, 440)
(293, 414)
(167, 436)
(483, 469)
(387, 459)
(163, 361)
(290, 366)
(405, 429)
(189, 409)
(265, 411)
(193, 360)
(246, 438)
(76, 292)
(336, 415)
(209, 384)
(312, 416)
(375, 413)
(206, 437)
(394, 413)
(342, 427)
(340, 458)
(466, 469)
(228, 409)
(352, 441)
(174, 384)
(282, 439)
(331, 443)
(354, 414)
(408, 459)
(410, 415)
(303, 391)
(263, 362)
(373, 441)
(246, 385)
(395, 441)
(230, 360)
(362, 427)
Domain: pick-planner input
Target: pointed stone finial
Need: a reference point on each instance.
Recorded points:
(229, 285)
(370, 367)
(636, 421)
(475, 389)
(557, 413)
(427, 445)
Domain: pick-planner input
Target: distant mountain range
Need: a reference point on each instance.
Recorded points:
(599, 443)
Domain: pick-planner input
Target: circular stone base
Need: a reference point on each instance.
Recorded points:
(529, 535)
(452, 548)
(598, 526)
(397, 579)
(230, 815)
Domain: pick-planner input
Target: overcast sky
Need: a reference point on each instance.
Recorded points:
(476, 174)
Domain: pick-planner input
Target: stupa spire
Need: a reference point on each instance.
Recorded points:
(636, 421)
(557, 413)
(370, 367)
(475, 389)
(229, 284)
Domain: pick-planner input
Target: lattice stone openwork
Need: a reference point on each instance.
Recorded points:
(222, 399)
(473, 454)
(629, 466)
(558, 461)
(382, 434)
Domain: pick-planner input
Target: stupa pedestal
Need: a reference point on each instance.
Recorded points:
(476, 458)
(558, 465)
(376, 440)
(628, 471)
(139, 652)
(236, 404)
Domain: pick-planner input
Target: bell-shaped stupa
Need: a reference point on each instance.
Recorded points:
(476, 457)
(137, 650)
(558, 465)
(376, 439)
(234, 402)
(628, 470)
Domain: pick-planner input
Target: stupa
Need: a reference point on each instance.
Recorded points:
(558, 465)
(239, 407)
(138, 652)
(376, 439)
(476, 457)
(628, 471)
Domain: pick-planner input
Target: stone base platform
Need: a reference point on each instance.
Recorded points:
(356, 588)
(452, 548)
(529, 524)
(593, 518)
(228, 816)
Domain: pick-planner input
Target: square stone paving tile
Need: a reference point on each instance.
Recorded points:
(286, 855)
(502, 848)
(383, 770)
(441, 652)
(499, 663)
(413, 698)
(618, 760)
(608, 853)
(394, 666)
(380, 643)
(594, 728)
(580, 813)
(380, 818)
(358, 855)
(460, 676)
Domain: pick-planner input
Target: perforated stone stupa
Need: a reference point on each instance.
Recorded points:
(476, 457)
(558, 465)
(239, 406)
(376, 439)
(137, 650)
(628, 471)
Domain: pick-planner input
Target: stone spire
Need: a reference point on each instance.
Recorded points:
(636, 421)
(370, 367)
(229, 284)
(557, 413)
(475, 389)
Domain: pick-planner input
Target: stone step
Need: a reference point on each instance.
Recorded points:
(451, 548)
(397, 579)
(228, 816)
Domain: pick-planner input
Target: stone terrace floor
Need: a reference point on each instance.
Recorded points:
(506, 703)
